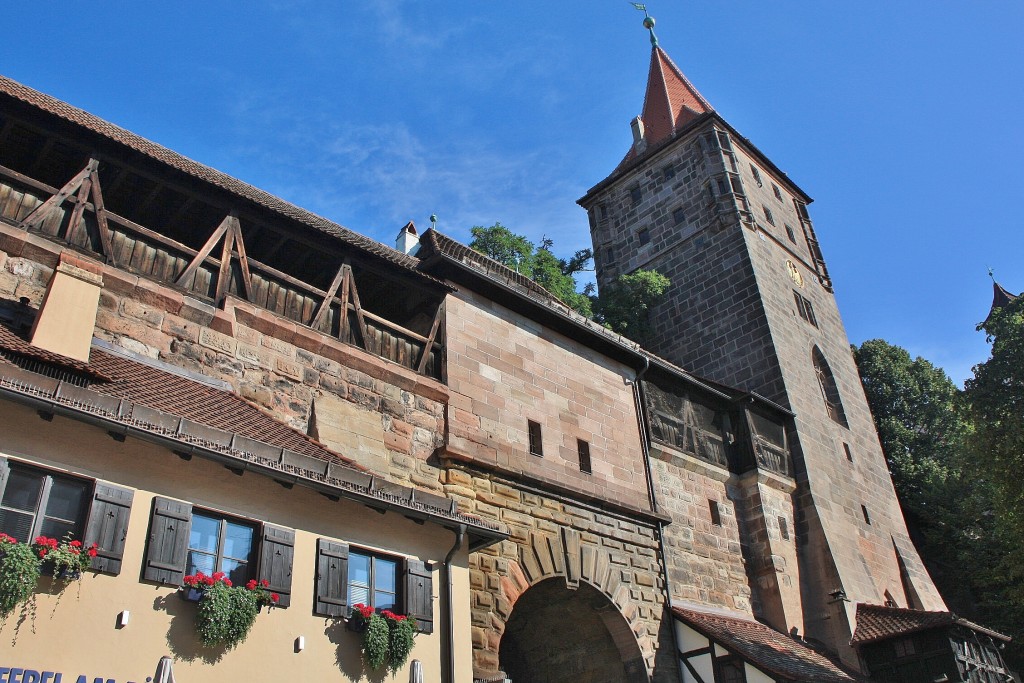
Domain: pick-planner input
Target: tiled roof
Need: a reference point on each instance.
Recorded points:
(203, 173)
(767, 649)
(121, 377)
(877, 622)
(670, 103)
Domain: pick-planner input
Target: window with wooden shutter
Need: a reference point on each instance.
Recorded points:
(108, 526)
(277, 551)
(331, 578)
(167, 552)
(419, 594)
(38, 502)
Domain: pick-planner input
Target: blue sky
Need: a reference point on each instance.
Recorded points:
(902, 119)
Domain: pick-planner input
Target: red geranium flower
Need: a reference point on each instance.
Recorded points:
(251, 585)
(42, 553)
(265, 583)
(275, 597)
(75, 544)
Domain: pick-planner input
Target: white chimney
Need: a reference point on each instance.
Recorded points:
(639, 142)
(408, 242)
(67, 315)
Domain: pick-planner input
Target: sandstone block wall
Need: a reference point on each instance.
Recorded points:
(505, 370)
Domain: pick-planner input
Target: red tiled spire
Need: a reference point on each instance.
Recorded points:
(671, 101)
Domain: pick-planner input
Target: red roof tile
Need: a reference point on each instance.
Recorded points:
(877, 622)
(12, 343)
(766, 648)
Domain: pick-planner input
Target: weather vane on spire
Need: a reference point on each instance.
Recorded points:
(648, 21)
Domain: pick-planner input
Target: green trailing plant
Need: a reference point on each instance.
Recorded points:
(225, 613)
(387, 637)
(19, 572)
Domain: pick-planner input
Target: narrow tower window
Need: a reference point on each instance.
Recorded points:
(768, 215)
(784, 528)
(635, 194)
(644, 236)
(864, 511)
(669, 172)
(678, 216)
(583, 450)
(536, 446)
(804, 308)
(829, 390)
(716, 514)
(790, 234)
(849, 453)
(756, 174)
(777, 191)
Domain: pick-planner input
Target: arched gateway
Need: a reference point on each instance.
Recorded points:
(558, 634)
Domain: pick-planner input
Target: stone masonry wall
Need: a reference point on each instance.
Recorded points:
(504, 370)
(553, 537)
(393, 418)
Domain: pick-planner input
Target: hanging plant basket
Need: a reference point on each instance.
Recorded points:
(225, 613)
(387, 637)
(19, 573)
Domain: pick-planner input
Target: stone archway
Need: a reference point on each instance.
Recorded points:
(557, 635)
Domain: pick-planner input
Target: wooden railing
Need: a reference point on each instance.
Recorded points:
(771, 457)
(689, 438)
(85, 223)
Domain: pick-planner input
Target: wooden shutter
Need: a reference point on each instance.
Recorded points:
(418, 595)
(169, 529)
(276, 554)
(108, 525)
(331, 578)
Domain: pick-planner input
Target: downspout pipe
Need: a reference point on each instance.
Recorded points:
(645, 445)
(449, 655)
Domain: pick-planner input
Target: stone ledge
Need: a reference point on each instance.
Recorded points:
(685, 461)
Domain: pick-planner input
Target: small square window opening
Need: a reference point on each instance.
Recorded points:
(768, 215)
(756, 174)
(583, 450)
(536, 445)
(716, 513)
(635, 194)
(790, 234)
(669, 172)
(644, 236)
(784, 528)
(777, 192)
(679, 217)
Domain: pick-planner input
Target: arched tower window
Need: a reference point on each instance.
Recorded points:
(829, 390)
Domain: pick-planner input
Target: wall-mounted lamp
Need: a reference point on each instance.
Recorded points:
(122, 618)
(300, 644)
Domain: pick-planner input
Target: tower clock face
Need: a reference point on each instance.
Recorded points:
(794, 273)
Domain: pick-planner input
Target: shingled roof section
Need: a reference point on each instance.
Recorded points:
(183, 164)
(121, 377)
(767, 649)
(877, 622)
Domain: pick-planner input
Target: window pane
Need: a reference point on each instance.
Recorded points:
(59, 529)
(358, 595)
(200, 562)
(384, 600)
(23, 490)
(237, 571)
(66, 499)
(384, 575)
(205, 533)
(238, 541)
(17, 524)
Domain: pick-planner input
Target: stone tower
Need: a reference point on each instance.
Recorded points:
(751, 305)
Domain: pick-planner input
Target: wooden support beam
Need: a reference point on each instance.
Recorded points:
(101, 212)
(47, 148)
(224, 275)
(243, 260)
(204, 251)
(43, 211)
(429, 346)
(76, 214)
(345, 289)
(325, 305)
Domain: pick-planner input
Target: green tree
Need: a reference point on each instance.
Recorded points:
(556, 275)
(920, 416)
(625, 305)
(927, 430)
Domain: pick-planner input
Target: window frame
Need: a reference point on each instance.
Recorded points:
(777, 192)
(768, 216)
(255, 545)
(757, 175)
(371, 589)
(39, 516)
(535, 438)
(583, 453)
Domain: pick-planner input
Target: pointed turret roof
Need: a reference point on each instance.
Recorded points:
(671, 101)
(1000, 299)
